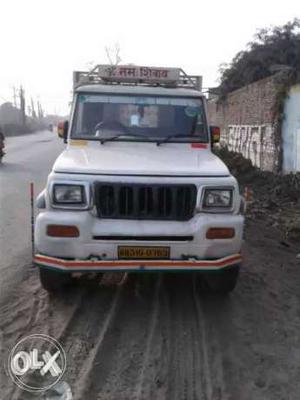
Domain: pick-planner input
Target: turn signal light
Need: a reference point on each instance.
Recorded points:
(215, 133)
(220, 233)
(60, 129)
(63, 231)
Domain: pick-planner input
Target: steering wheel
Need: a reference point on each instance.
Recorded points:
(113, 125)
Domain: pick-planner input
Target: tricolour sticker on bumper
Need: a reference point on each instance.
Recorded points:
(135, 265)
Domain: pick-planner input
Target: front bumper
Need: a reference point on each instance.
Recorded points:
(64, 265)
(87, 246)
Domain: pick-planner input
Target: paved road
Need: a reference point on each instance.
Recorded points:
(29, 159)
(150, 337)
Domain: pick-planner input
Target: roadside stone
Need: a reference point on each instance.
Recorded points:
(260, 383)
(293, 231)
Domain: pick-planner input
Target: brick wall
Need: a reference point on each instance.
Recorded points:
(245, 119)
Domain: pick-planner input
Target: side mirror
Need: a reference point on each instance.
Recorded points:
(62, 130)
(215, 134)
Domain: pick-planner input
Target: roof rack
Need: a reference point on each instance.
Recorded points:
(137, 75)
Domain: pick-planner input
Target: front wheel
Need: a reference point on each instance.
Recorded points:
(54, 281)
(222, 282)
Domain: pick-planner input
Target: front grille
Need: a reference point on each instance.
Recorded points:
(143, 201)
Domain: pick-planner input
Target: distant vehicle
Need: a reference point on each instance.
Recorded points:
(138, 187)
(2, 146)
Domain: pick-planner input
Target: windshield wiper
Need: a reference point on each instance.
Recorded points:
(112, 138)
(166, 139)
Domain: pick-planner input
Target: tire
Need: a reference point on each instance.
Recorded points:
(54, 281)
(222, 282)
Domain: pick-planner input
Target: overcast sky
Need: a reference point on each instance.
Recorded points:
(43, 41)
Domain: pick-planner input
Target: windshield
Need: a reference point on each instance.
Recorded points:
(139, 118)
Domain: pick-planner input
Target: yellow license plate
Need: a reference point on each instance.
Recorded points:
(130, 253)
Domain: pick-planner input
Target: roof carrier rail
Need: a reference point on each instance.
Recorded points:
(137, 75)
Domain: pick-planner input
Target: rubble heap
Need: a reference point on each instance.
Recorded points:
(276, 197)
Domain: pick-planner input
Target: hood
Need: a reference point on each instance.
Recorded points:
(125, 158)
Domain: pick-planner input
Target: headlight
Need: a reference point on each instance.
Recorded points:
(69, 194)
(72, 196)
(217, 199)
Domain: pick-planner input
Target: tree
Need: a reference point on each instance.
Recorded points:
(113, 54)
(272, 49)
(33, 113)
(113, 58)
(22, 105)
(40, 110)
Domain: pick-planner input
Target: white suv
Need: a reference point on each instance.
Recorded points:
(137, 187)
